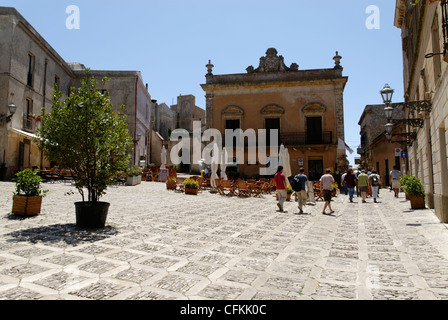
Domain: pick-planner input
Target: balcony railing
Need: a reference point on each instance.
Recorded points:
(29, 124)
(296, 139)
(303, 138)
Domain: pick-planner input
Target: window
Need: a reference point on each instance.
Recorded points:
(314, 130)
(233, 124)
(57, 82)
(27, 121)
(31, 63)
(437, 64)
(29, 106)
(272, 124)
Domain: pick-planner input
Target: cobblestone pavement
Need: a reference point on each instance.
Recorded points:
(161, 244)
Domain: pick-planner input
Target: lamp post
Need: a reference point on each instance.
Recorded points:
(12, 109)
(387, 94)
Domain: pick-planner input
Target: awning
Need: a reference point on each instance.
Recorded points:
(23, 133)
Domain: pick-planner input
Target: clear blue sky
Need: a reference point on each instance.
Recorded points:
(171, 41)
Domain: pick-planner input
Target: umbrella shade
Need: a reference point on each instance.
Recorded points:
(224, 164)
(214, 165)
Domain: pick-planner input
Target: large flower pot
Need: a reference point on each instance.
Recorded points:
(91, 215)
(191, 191)
(26, 206)
(417, 202)
(133, 181)
(171, 186)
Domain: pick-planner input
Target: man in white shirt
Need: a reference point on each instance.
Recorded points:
(395, 175)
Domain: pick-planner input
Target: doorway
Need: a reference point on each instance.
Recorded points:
(315, 169)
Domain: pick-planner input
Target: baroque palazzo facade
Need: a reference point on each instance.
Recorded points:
(305, 106)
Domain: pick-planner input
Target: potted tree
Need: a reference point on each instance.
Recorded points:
(191, 186)
(404, 180)
(416, 192)
(84, 134)
(27, 199)
(134, 175)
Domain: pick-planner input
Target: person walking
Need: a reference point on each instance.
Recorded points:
(375, 184)
(326, 185)
(351, 181)
(363, 184)
(394, 177)
(344, 184)
(302, 195)
(280, 184)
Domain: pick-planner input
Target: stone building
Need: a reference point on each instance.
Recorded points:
(425, 61)
(167, 119)
(305, 106)
(377, 153)
(29, 67)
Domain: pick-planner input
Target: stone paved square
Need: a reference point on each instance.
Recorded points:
(170, 246)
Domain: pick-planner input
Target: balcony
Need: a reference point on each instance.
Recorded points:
(295, 139)
(29, 124)
(303, 138)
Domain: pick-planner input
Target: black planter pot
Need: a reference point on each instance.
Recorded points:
(91, 215)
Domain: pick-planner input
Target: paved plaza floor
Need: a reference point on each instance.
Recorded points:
(161, 244)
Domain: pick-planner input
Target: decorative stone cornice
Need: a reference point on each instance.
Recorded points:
(272, 62)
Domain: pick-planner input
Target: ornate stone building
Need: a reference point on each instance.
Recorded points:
(306, 106)
(29, 67)
(377, 153)
(424, 29)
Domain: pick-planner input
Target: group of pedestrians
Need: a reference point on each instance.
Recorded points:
(361, 180)
(302, 192)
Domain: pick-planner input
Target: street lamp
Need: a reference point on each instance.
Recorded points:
(12, 109)
(387, 94)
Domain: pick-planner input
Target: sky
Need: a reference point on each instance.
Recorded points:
(171, 41)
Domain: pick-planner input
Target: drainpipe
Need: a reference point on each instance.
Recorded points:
(43, 105)
(135, 121)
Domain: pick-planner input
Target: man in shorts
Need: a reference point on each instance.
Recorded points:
(326, 185)
(395, 175)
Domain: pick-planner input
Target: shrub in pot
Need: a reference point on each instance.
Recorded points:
(134, 175)
(27, 199)
(171, 183)
(416, 191)
(191, 186)
(84, 134)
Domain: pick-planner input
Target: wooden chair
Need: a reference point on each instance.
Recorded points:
(200, 181)
(257, 189)
(242, 189)
(180, 184)
(219, 188)
(228, 187)
(318, 194)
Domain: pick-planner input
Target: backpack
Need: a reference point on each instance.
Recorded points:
(375, 180)
(296, 184)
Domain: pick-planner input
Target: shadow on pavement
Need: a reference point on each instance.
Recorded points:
(62, 233)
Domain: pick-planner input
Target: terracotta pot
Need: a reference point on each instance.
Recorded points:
(170, 186)
(191, 191)
(417, 202)
(26, 206)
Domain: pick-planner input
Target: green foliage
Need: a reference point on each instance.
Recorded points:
(84, 134)
(191, 184)
(171, 180)
(29, 183)
(133, 171)
(290, 190)
(413, 186)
